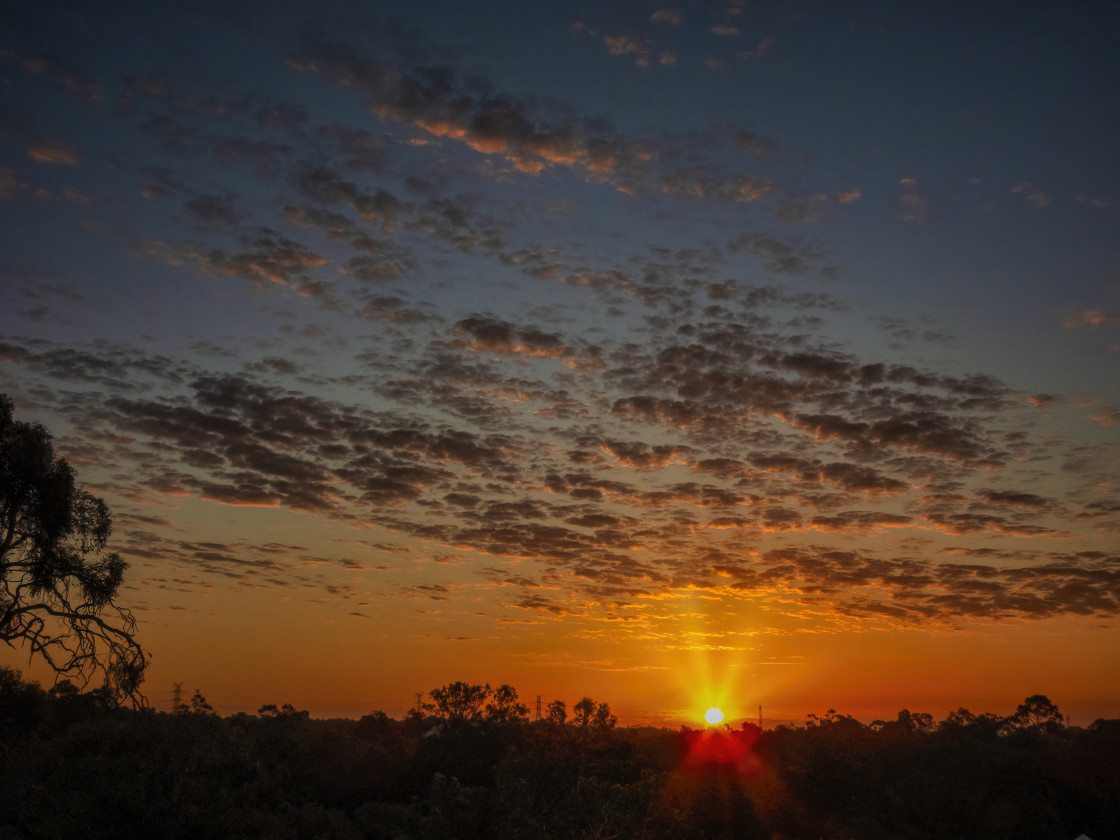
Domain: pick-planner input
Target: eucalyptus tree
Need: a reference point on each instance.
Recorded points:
(58, 581)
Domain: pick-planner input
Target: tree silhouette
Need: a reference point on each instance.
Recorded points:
(459, 701)
(504, 707)
(57, 581)
(1037, 712)
(557, 713)
(587, 713)
(603, 719)
(583, 712)
(199, 706)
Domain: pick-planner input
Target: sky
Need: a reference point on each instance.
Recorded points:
(752, 354)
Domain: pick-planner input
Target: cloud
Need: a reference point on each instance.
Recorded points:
(282, 117)
(1033, 195)
(359, 151)
(1087, 318)
(761, 50)
(139, 86)
(1106, 416)
(69, 79)
(500, 126)
(695, 183)
(321, 185)
(628, 45)
(262, 156)
(671, 16)
(212, 212)
(491, 335)
(56, 152)
(814, 208)
(1097, 202)
(271, 258)
(750, 143)
(604, 520)
(912, 204)
(12, 184)
(779, 256)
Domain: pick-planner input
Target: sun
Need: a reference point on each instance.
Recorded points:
(713, 716)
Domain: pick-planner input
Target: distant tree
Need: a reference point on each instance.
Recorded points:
(459, 701)
(1037, 712)
(962, 718)
(603, 718)
(414, 723)
(504, 707)
(583, 712)
(831, 718)
(19, 700)
(959, 719)
(286, 713)
(375, 725)
(57, 582)
(907, 721)
(199, 706)
(557, 713)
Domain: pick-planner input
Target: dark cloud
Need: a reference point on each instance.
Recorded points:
(212, 212)
(270, 258)
(53, 151)
(427, 99)
(358, 150)
(323, 186)
(69, 79)
(264, 158)
(778, 256)
(282, 117)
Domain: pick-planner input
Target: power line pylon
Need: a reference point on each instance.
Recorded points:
(177, 696)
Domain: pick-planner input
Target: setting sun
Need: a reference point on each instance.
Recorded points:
(713, 716)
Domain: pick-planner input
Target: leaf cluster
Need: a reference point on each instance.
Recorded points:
(58, 581)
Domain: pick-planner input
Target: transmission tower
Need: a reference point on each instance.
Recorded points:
(418, 694)
(538, 707)
(177, 696)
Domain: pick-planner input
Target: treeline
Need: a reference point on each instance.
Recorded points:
(472, 764)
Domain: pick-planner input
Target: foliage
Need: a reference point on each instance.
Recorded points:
(587, 713)
(1038, 713)
(58, 583)
(73, 765)
(556, 713)
(198, 705)
(458, 702)
(505, 707)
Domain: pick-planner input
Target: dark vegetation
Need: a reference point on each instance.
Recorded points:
(473, 764)
(58, 582)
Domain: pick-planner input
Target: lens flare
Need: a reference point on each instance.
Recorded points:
(713, 716)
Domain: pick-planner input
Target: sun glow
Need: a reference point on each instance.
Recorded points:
(713, 716)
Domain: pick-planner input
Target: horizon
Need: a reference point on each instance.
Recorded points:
(673, 354)
(163, 701)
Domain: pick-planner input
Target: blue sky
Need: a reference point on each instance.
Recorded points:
(489, 336)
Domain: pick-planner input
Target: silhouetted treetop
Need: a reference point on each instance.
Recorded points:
(458, 701)
(57, 581)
